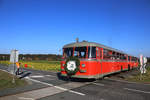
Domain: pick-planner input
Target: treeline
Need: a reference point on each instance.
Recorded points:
(30, 57)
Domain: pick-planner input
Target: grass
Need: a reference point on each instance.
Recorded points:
(39, 65)
(144, 78)
(5, 62)
(6, 81)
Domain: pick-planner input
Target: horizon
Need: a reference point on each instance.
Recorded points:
(45, 26)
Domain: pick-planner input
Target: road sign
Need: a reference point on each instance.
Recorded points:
(143, 61)
(142, 69)
(14, 56)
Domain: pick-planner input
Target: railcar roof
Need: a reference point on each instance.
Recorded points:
(85, 43)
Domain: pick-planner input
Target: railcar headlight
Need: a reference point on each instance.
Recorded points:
(83, 65)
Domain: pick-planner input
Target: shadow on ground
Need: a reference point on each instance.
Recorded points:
(24, 74)
(68, 79)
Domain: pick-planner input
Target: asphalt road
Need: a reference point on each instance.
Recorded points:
(78, 89)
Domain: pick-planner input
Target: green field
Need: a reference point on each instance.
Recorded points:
(6, 81)
(39, 65)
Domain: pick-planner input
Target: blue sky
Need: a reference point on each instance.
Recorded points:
(44, 26)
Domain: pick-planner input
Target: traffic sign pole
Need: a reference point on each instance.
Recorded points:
(14, 58)
(143, 61)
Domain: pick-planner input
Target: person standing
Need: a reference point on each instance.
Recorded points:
(18, 66)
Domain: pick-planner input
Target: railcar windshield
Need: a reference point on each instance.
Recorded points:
(80, 52)
(68, 52)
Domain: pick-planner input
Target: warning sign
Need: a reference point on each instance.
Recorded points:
(14, 56)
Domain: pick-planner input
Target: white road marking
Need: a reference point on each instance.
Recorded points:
(25, 98)
(50, 75)
(5, 71)
(137, 90)
(60, 88)
(39, 81)
(55, 86)
(37, 76)
(126, 81)
(77, 92)
(99, 84)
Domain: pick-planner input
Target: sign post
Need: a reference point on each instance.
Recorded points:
(143, 61)
(13, 59)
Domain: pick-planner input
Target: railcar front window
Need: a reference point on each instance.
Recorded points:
(68, 52)
(80, 52)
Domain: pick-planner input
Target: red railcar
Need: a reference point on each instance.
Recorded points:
(95, 60)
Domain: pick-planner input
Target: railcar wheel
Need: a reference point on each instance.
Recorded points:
(129, 68)
(121, 69)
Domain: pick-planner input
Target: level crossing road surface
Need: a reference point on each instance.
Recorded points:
(46, 85)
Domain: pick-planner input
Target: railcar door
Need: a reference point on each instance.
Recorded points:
(99, 61)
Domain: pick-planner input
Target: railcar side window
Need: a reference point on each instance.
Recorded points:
(92, 52)
(101, 53)
(98, 53)
(114, 55)
(107, 54)
(118, 56)
(123, 57)
(128, 58)
(133, 59)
